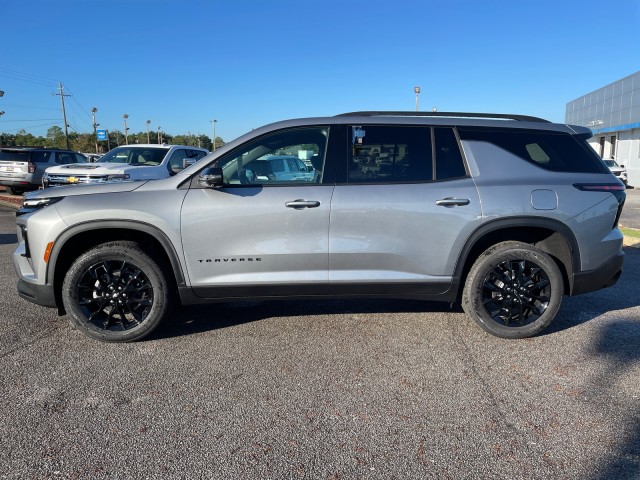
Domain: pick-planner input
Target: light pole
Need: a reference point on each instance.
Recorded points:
(95, 125)
(126, 130)
(213, 122)
(148, 138)
(159, 135)
(1, 113)
(417, 92)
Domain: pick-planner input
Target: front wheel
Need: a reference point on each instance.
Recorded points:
(115, 292)
(513, 290)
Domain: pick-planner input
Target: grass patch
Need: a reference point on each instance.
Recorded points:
(630, 232)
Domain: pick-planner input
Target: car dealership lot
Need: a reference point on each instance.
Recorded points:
(304, 389)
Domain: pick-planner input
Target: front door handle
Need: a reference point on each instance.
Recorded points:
(453, 202)
(301, 204)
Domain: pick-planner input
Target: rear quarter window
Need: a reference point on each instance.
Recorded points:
(557, 152)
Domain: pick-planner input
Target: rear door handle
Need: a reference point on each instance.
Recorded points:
(301, 204)
(453, 202)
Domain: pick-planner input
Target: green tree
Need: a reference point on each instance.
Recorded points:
(55, 137)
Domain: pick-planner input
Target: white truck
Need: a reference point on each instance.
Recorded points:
(128, 162)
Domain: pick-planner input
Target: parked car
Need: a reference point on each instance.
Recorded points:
(129, 162)
(277, 168)
(22, 168)
(503, 214)
(618, 170)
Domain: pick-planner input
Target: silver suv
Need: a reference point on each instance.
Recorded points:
(505, 214)
(22, 168)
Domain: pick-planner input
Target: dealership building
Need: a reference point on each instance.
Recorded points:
(613, 115)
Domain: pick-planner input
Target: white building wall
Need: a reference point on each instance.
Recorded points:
(613, 110)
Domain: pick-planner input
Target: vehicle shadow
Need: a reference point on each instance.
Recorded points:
(581, 309)
(8, 238)
(618, 345)
(193, 319)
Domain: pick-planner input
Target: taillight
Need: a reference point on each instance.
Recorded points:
(31, 167)
(617, 189)
(600, 187)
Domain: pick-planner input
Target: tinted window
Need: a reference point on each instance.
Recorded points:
(558, 152)
(41, 157)
(390, 154)
(8, 155)
(449, 163)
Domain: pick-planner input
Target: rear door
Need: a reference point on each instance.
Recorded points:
(402, 212)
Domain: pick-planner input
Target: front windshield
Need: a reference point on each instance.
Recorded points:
(149, 156)
(611, 163)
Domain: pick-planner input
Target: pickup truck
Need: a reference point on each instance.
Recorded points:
(128, 162)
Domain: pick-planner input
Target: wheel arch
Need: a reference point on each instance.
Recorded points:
(551, 236)
(80, 238)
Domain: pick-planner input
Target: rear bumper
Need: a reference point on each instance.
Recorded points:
(602, 277)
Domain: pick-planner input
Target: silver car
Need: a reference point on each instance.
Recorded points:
(503, 214)
(22, 168)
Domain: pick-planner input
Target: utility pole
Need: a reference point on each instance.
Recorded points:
(64, 115)
(126, 129)
(214, 122)
(95, 133)
(148, 138)
(417, 92)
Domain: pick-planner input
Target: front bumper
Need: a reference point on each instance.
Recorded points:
(602, 277)
(38, 294)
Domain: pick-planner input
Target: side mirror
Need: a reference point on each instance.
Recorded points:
(621, 166)
(187, 162)
(210, 177)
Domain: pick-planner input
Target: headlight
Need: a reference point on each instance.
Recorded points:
(30, 205)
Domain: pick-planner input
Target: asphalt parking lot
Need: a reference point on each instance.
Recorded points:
(331, 389)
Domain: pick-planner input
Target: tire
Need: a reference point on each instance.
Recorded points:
(15, 191)
(513, 290)
(115, 292)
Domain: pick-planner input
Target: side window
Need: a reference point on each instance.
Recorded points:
(264, 161)
(390, 154)
(177, 160)
(449, 163)
(195, 155)
(80, 158)
(40, 157)
(64, 158)
(557, 152)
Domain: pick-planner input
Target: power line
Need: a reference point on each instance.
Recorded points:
(27, 77)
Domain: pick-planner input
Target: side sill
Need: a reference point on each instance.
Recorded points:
(440, 292)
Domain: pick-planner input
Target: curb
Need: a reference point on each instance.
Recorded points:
(631, 242)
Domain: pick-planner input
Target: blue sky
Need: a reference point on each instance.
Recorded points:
(245, 63)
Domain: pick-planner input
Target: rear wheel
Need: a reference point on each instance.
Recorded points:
(15, 191)
(513, 290)
(115, 292)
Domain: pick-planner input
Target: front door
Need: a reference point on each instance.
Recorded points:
(259, 235)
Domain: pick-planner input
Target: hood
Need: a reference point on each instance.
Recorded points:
(85, 189)
(89, 169)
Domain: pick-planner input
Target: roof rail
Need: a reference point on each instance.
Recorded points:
(502, 116)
